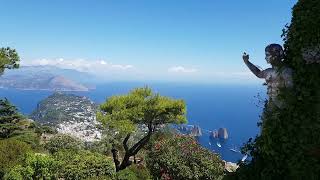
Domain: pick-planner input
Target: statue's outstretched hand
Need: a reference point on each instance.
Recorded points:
(245, 56)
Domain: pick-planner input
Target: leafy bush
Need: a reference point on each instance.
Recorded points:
(127, 174)
(134, 172)
(36, 167)
(103, 146)
(29, 137)
(17, 173)
(62, 141)
(181, 157)
(11, 153)
(84, 164)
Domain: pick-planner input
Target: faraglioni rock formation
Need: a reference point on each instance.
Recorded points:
(214, 134)
(223, 133)
(196, 131)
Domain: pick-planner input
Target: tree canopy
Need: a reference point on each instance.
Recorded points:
(9, 118)
(139, 107)
(9, 59)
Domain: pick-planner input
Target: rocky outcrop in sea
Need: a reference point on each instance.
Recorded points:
(221, 133)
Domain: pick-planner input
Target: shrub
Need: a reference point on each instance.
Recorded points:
(134, 172)
(141, 172)
(62, 141)
(28, 137)
(103, 146)
(36, 167)
(11, 154)
(83, 164)
(181, 157)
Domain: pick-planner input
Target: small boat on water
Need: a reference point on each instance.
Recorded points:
(210, 143)
(218, 144)
(234, 149)
(244, 158)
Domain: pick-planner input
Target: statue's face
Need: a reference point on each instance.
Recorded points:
(274, 54)
(268, 57)
(272, 59)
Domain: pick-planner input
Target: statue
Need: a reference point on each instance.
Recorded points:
(277, 76)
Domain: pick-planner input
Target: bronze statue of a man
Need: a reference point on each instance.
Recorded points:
(275, 76)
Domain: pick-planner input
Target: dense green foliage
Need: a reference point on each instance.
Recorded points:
(11, 153)
(13, 125)
(66, 164)
(181, 157)
(62, 141)
(134, 172)
(102, 146)
(84, 164)
(9, 59)
(289, 144)
(143, 108)
(28, 136)
(36, 167)
(9, 118)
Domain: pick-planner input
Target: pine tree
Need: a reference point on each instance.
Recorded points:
(9, 117)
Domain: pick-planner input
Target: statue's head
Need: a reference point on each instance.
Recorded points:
(274, 54)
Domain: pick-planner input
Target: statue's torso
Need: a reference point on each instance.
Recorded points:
(277, 79)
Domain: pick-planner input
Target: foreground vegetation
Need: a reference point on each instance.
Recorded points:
(142, 142)
(66, 157)
(137, 144)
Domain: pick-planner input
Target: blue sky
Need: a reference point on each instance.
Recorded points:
(167, 40)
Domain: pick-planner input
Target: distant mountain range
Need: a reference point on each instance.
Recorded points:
(47, 78)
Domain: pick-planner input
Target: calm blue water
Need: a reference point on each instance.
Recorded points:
(234, 107)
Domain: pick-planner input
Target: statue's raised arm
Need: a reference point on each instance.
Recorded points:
(254, 69)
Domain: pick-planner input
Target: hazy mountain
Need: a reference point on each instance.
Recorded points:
(36, 82)
(50, 71)
(47, 78)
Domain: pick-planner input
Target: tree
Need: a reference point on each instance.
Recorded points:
(182, 157)
(9, 117)
(9, 59)
(140, 107)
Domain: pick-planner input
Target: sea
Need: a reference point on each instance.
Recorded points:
(235, 107)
